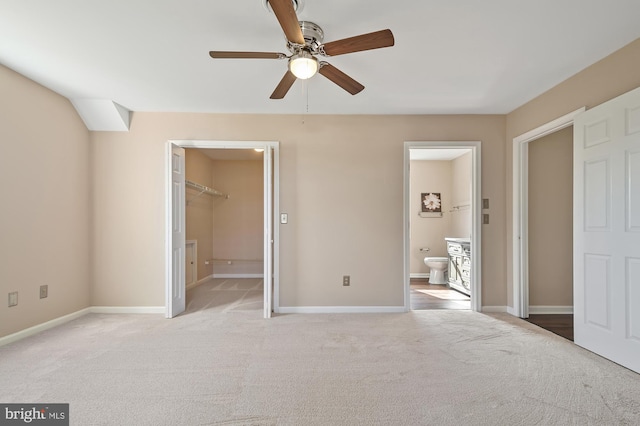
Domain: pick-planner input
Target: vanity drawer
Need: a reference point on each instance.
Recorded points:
(454, 249)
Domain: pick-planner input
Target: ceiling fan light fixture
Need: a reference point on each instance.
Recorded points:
(303, 65)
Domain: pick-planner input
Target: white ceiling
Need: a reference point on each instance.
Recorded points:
(450, 56)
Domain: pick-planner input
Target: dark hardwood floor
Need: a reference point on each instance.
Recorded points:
(433, 296)
(562, 325)
(426, 296)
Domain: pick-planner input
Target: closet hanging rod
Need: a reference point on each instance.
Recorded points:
(205, 189)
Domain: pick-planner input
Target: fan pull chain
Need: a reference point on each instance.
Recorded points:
(307, 92)
(305, 95)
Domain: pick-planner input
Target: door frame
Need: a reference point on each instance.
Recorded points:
(476, 216)
(520, 209)
(271, 194)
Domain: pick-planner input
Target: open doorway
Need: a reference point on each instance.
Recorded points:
(225, 215)
(442, 225)
(550, 213)
(237, 240)
(543, 294)
(543, 224)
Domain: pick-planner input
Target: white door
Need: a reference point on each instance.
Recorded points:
(176, 298)
(268, 234)
(607, 230)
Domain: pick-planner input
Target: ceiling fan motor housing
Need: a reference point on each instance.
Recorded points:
(313, 38)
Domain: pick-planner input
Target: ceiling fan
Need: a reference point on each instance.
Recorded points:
(305, 42)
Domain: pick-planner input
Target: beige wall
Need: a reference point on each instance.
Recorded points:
(551, 220)
(461, 181)
(341, 184)
(238, 221)
(199, 209)
(45, 216)
(602, 81)
(90, 219)
(429, 176)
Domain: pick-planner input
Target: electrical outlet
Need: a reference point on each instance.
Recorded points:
(13, 299)
(44, 291)
(346, 280)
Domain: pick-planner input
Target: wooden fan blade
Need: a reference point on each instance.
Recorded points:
(283, 9)
(284, 86)
(376, 40)
(246, 55)
(340, 78)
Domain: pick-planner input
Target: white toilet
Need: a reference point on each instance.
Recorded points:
(438, 267)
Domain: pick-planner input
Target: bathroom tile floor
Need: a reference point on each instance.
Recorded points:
(429, 296)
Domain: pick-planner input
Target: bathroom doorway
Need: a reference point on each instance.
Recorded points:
(442, 223)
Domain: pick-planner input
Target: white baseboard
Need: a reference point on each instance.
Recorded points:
(340, 309)
(199, 282)
(419, 275)
(74, 315)
(550, 310)
(42, 327)
(238, 275)
(127, 309)
(511, 311)
(495, 309)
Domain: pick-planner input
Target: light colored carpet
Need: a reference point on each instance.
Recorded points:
(222, 364)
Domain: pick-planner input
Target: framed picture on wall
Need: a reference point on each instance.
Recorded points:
(431, 202)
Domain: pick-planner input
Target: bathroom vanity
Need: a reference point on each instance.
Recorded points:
(459, 251)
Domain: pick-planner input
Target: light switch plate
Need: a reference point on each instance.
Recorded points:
(284, 218)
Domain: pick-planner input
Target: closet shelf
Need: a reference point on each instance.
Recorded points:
(204, 190)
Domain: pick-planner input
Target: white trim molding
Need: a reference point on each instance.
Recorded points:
(550, 310)
(22, 334)
(199, 282)
(520, 207)
(495, 309)
(127, 310)
(27, 332)
(420, 275)
(341, 309)
(238, 276)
